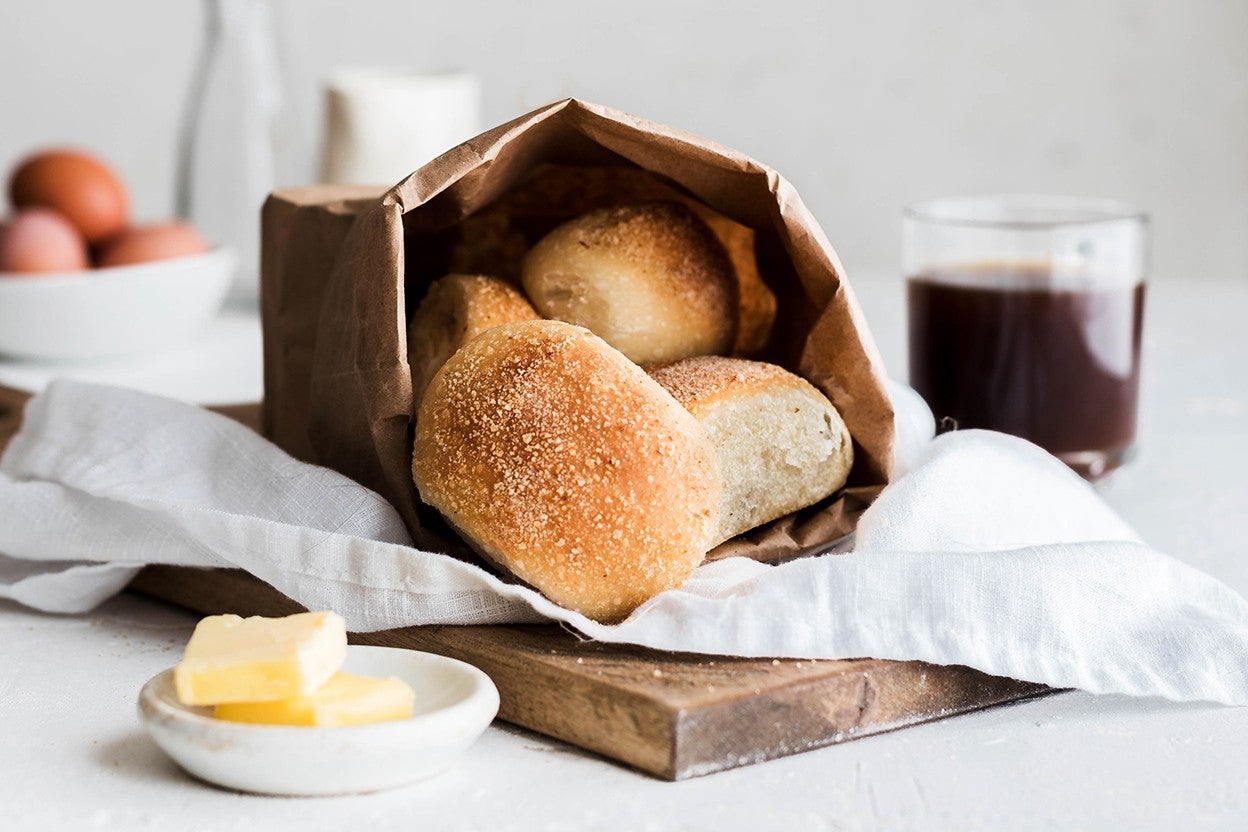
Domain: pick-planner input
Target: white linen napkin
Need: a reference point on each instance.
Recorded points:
(987, 553)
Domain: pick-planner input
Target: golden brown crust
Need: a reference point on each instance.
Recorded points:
(562, 461)
(650, 279)
(487, 302)
(456, 309)
(699, 382)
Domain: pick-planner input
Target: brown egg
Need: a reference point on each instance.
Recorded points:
(152, 242)
(38, 240)
(79, 186)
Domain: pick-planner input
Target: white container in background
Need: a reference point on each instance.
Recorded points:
(382, 124)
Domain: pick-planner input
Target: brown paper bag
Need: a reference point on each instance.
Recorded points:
(343, 268)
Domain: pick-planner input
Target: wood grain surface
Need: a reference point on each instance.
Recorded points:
(673, 715)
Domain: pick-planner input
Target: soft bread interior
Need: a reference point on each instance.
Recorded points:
(780, 444)
(778, 450)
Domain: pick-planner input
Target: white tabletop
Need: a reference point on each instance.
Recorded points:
(73, 756)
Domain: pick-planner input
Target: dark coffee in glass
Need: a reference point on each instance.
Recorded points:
(1025, 316)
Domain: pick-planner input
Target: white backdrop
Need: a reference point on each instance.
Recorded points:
(864, 106)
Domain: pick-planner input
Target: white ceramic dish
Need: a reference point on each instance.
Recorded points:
(103, 313)
(455, 702)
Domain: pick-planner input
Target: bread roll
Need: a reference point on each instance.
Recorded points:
(562, 462)
(650, 279)
(757, 309)
(780, 443)
(456, 309)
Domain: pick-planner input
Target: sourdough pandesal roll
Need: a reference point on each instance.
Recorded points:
(651, 279)
(780, 443)
(562, 462)
(456, 309)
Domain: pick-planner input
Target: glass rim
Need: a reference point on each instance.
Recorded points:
(1052, 211)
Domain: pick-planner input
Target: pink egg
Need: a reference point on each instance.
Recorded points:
(39, 240)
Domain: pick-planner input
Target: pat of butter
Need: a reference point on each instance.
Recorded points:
(344, 700)
(232, 659)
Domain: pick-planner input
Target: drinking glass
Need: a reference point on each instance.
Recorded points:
(1025, 315)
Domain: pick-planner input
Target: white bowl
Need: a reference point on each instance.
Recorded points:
(102, 313)
(455, 702)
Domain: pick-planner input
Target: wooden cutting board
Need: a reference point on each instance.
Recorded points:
(674, 715)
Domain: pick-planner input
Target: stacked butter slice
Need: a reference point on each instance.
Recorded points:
(283, 671)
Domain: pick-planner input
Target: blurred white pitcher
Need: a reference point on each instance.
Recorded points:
(382, 124)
